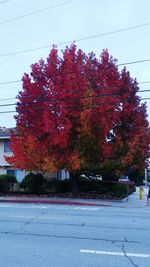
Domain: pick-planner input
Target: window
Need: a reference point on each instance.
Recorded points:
(17, 173)
(7, 146)
(11, 172)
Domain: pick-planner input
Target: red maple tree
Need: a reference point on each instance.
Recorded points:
(79, 113)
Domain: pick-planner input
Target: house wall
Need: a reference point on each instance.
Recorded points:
(19, 174)
(5, 167)
(3, 171)
(64, 175)
(50, 175)
(3, 162)
(59, 175)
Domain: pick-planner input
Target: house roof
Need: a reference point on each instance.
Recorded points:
(5, 132)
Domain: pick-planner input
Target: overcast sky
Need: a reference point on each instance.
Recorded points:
(63, 21)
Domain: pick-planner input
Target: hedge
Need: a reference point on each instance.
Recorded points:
(6, 180)
(33, 183)
(118, 189)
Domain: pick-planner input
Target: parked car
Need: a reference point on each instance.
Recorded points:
(92, 177)
(124, 178)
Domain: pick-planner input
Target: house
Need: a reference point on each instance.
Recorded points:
(6, 168)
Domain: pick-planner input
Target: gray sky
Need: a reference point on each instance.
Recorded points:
(63, 21)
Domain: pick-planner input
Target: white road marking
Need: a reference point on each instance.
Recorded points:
(24, 207)
(5, 205)
(33, 217)
(85, 208)
(31, 207)
(113, 253)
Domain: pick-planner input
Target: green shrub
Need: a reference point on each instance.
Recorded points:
(117, 189)
(132, 187)
(58, 186)
(6, 180)
(63, 186)
(107, 187)
(33, 183)
(88, 186)
(121, 189)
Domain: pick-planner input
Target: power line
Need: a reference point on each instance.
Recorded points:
(8, 105)
(68, 42)
(10, 82)
(54, 101)
(146, 98)
(31, 50)
(66, 73)
(144, 82)
(5, 99)
(10, 111)
(12, 98)
(73, 106)
(134, 62)
(36, 12)
(4, 1)
(114, 32)
(142, 91)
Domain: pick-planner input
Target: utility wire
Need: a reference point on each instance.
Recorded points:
(134, 62)
(10, 111)
(13, 98)
(54, 101)
(9, 98)
(66, 73)
(32, 50)
(36, 12)
(55, 109)
(10, 82)
(144, 82)
(4, 1)
(146, 98)
(140, 91)
(68, 42)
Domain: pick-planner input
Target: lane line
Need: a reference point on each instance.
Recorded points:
(84, 208)
(113, 253)
(24, 207)
(5, 205)
(32, 217)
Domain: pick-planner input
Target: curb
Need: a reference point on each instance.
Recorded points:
(55, 202)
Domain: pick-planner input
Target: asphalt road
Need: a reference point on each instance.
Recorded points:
(73, 236)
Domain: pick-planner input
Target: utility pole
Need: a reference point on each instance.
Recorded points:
(146, 177)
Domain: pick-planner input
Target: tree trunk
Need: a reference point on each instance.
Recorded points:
(74, 182)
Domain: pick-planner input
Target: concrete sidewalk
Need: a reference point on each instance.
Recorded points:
(133, 201)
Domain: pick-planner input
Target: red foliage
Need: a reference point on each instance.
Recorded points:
(78, 112)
